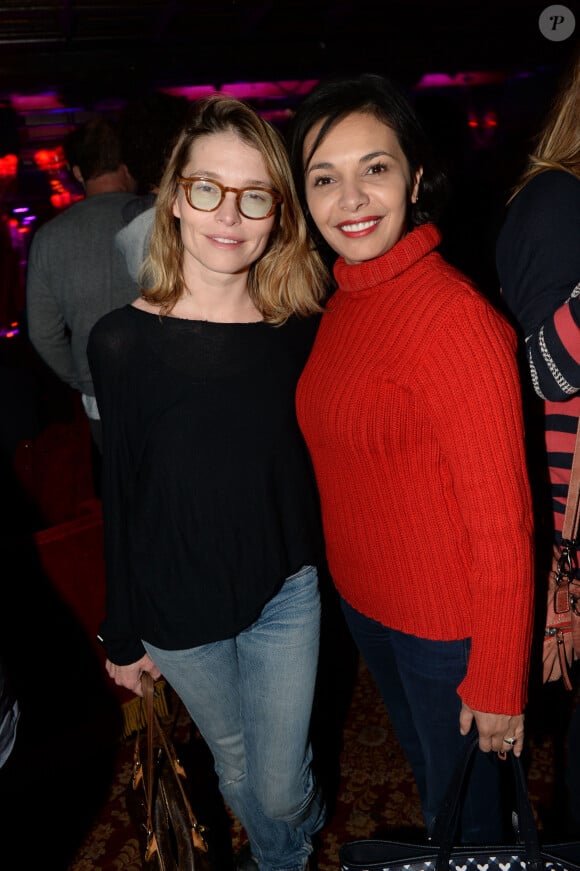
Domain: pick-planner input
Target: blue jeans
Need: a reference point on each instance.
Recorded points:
(251, 698)
(418, 681)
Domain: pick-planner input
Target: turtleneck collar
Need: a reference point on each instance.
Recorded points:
(410, 249)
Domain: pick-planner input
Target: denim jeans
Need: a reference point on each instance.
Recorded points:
(418, 681)
(251, 698)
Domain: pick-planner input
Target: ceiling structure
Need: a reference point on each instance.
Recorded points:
(62, 61)
(88, 50)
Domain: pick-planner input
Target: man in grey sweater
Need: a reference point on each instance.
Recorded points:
(75, 273)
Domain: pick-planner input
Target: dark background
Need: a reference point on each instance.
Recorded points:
(92, 49)
(63, 60)
(96, 55)
(499, 73)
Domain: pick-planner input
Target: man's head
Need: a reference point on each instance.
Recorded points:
(93, 153)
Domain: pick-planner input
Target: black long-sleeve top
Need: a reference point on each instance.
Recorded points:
(208, 495)
(538, 263)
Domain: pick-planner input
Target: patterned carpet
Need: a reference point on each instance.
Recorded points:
(62, 790)
(376, 794)
(65, 787)
(376, 790)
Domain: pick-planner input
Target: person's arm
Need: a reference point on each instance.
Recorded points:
(9, 715)
(110, 354)
(133, 241)
(538, 262)
(47, 329)
(553, 351)
(470, 387)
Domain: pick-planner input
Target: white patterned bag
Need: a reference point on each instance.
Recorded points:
(526, 855)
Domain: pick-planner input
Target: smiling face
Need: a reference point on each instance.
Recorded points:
(222, 242)
(358, 186)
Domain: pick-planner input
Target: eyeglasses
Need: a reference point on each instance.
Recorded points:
(207, 195)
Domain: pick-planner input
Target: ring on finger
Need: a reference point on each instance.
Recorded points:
(510, 741)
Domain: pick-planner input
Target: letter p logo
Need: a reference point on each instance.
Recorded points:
(557, 23)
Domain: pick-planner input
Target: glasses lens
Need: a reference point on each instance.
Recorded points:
(204, 195)
(256, 203)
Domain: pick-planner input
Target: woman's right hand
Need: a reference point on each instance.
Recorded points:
(497, 732)
(129, 676)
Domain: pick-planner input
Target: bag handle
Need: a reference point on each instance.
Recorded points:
(571, 516)
(197, 830)
(446, 823)
(564, 567)
(147, 687)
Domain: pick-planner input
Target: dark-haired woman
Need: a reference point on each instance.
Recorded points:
(410, 405)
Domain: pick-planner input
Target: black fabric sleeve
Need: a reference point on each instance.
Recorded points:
(538, 262)
(538, 248)
(112, 356)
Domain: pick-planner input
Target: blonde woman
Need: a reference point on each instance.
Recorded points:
(211, 524)
(538, 262)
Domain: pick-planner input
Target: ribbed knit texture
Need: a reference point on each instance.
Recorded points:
(411, 409)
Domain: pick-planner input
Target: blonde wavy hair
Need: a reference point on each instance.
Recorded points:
(290, 276)
(557, 146)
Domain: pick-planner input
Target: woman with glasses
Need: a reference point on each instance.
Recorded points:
(212, 533)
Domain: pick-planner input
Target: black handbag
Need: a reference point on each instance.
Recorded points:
(442, 855)
(170, 836)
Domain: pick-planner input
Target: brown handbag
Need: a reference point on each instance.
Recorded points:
(170, 836)
(562, 632)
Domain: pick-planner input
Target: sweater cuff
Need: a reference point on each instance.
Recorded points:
(121, 651)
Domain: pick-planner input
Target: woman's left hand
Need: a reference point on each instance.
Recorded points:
(496, 731)
(129, 676)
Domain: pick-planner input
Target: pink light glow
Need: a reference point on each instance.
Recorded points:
(246, 90)
(28, 102)
(461, 80)
(192, 92)
(259, 90)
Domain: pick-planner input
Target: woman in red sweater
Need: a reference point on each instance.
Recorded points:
(410, 405)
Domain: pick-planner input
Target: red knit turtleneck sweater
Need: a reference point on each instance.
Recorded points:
(410, 405)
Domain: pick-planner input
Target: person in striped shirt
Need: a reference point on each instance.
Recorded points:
(538, 265)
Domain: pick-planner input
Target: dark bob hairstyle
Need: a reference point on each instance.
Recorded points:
(333, 100)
